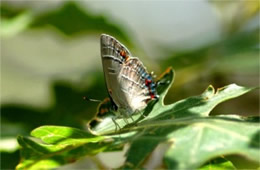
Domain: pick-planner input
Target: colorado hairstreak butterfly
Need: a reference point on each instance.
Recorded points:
(129, 84)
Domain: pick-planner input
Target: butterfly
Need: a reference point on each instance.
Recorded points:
(130, 86)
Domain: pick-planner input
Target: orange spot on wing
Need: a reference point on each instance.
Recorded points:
(123, 53)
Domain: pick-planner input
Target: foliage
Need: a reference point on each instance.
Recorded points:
(81, 21)
(234, 58)
(63, 97)
(193, 137)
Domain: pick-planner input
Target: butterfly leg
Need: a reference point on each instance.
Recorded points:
(132, 118)
(116, 124)
(133, 121)
(144, 116)
(125, 120)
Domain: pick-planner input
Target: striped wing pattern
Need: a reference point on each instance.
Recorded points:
(129, 84)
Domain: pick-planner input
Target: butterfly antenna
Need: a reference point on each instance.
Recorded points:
(91, 100)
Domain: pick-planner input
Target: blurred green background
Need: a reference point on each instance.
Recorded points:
(50, 56)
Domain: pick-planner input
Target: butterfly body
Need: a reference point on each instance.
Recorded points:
(129, 84)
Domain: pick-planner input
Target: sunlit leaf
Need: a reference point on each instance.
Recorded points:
(194, 138)
(8, 145)
(193, 106)
(61, 145)
(10, 27)
(218, 164)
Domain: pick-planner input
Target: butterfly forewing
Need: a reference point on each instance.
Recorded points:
(129, 84)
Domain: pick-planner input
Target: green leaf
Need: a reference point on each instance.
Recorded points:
(60, 135)
(61, 145)
(81, 21)
(11, 27)
(194, 138)
(190, 116)
(200, 105)
(106, 124)
(210, 138)
(8, 144)
(218, 164)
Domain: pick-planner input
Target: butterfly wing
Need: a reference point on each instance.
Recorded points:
(112, 62)
(134, 82)
(129, 84)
